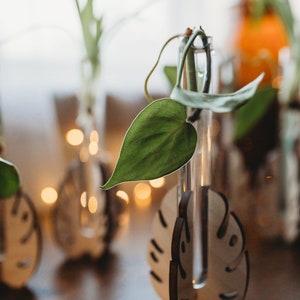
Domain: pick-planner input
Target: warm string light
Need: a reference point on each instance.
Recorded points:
(92, 205)
(93, 148)
(158, 183)
(94, 137)
(123, 196)
(142, 194)
(74, 137)
(94, 140)
(84, 154)
(83, 200)
(142, 191)
(49, 195)
(124, 216)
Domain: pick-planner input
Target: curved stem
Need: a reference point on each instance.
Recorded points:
(149, 98)
(196, 33)
(206, 46)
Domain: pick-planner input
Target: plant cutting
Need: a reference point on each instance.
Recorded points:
(175, 133)
(162, 138)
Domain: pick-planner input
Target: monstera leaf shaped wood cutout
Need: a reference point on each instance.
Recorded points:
(20, 240)
(170, 252)
(85, 219)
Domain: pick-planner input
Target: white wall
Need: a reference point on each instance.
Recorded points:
(49, 31)
(133, 48)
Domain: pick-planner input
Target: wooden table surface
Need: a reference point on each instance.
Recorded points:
(123, 273)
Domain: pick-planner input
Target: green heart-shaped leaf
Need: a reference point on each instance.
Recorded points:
(158, 142)
(9, 179)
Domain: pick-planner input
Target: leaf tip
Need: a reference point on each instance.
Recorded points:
(107, 186)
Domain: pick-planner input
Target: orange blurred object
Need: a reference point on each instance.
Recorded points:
(257, 43)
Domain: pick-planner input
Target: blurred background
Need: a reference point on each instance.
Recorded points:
(41, 51)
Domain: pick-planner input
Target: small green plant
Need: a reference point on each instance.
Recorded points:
(92, 30)
(162, 138)
(94, 34)
(9, 179)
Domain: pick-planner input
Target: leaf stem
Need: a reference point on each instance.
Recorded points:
(206, 46)
(188, 45)
(191, 71)
(148, 96)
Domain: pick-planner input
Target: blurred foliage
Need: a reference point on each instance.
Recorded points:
(92, 31)
(249, 114)
(9, 179)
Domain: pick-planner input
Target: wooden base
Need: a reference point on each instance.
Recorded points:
(20, 240)
(170, 252)
(84, 221)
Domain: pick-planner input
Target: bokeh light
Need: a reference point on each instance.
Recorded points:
(158, 183)
(123, 196)
(49, 195)
(92, 204)
(74, 137)
(142, 194)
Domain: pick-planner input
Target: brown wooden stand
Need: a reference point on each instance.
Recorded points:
(170, 252)
(80, 230)
(20, 240)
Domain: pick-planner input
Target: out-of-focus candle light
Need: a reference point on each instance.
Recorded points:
(92, 204)
(83, 201)
(49, 195)
(74, 137)
(123, 196)
(84, 154)
(142, 194)
(93, 148)
(124, 216)
(158, 183)
(94, 137)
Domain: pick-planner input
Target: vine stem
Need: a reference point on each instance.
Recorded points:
(148, 96)
(206, 46)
